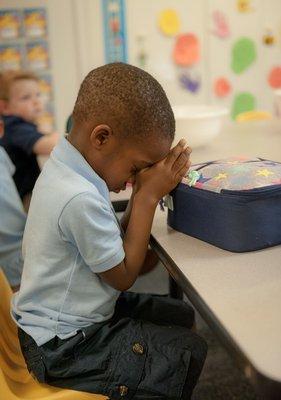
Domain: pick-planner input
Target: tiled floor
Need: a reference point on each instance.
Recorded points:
(220, 379)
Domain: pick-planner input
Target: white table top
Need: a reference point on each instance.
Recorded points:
(254, 139)
(242, 291)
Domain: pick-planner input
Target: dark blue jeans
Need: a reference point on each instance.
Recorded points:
(146, 351)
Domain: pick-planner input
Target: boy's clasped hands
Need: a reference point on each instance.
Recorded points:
(162, 177)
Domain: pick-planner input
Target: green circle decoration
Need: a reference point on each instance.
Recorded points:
(243, 102)
(243, 54)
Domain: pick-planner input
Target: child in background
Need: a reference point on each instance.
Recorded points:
(20, 106)
(12, 221)
(76, 328)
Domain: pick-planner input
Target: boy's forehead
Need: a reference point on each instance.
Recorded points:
(151, 151)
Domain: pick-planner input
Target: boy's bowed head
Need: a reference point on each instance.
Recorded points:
(122, 122)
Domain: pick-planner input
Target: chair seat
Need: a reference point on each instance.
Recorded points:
(15, 380)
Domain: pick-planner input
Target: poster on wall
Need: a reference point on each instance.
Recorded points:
(10, 24)
(37, 55)
(35, 22)
(11, 56)
(114, 23)
(45, 83)
(25, 45)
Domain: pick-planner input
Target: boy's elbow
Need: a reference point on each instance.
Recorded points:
(119, 278)
(126, 280)
(123, 286)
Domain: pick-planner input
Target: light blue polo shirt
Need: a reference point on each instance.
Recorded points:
(71, 235)
(12, 222)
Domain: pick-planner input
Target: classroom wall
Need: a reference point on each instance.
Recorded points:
(216, 52)
(77, 45)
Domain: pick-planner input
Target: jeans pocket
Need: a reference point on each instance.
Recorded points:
(165, 373)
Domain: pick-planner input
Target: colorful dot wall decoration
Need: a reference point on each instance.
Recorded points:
(274, 78)
(222, 87)
(186, 50)
(243, 54)
(169, 22)
(242, 102)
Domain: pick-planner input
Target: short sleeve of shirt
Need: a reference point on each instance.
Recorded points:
(89, 224)
(24, 135)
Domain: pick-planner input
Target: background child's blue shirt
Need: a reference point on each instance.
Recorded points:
(19, 138)
(12, 222)
(71, 235)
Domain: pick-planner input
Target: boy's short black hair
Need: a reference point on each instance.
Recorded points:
(128, 97)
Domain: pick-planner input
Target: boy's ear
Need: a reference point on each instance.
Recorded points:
(100, 135)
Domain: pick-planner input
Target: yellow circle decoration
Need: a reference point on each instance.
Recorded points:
(169, 22)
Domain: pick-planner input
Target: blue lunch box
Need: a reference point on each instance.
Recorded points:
(234, 204)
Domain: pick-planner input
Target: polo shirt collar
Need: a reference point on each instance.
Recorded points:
(70, 156)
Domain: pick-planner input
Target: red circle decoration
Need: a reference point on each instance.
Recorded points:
(274, 77)
(222, 87)
(186, 51)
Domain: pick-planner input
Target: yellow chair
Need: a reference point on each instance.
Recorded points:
(253, 116)
(15, 380)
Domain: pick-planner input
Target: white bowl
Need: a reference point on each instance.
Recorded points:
(198, 124)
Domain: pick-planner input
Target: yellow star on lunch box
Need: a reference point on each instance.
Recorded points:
(220, 176)
(264, 172)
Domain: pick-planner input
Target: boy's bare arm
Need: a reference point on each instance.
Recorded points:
(144, 202)
(135, 244)
(45, 144)
(127, 213)
(151, 259)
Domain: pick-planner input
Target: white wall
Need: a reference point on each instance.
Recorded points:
(142, 18)
(88, 28)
